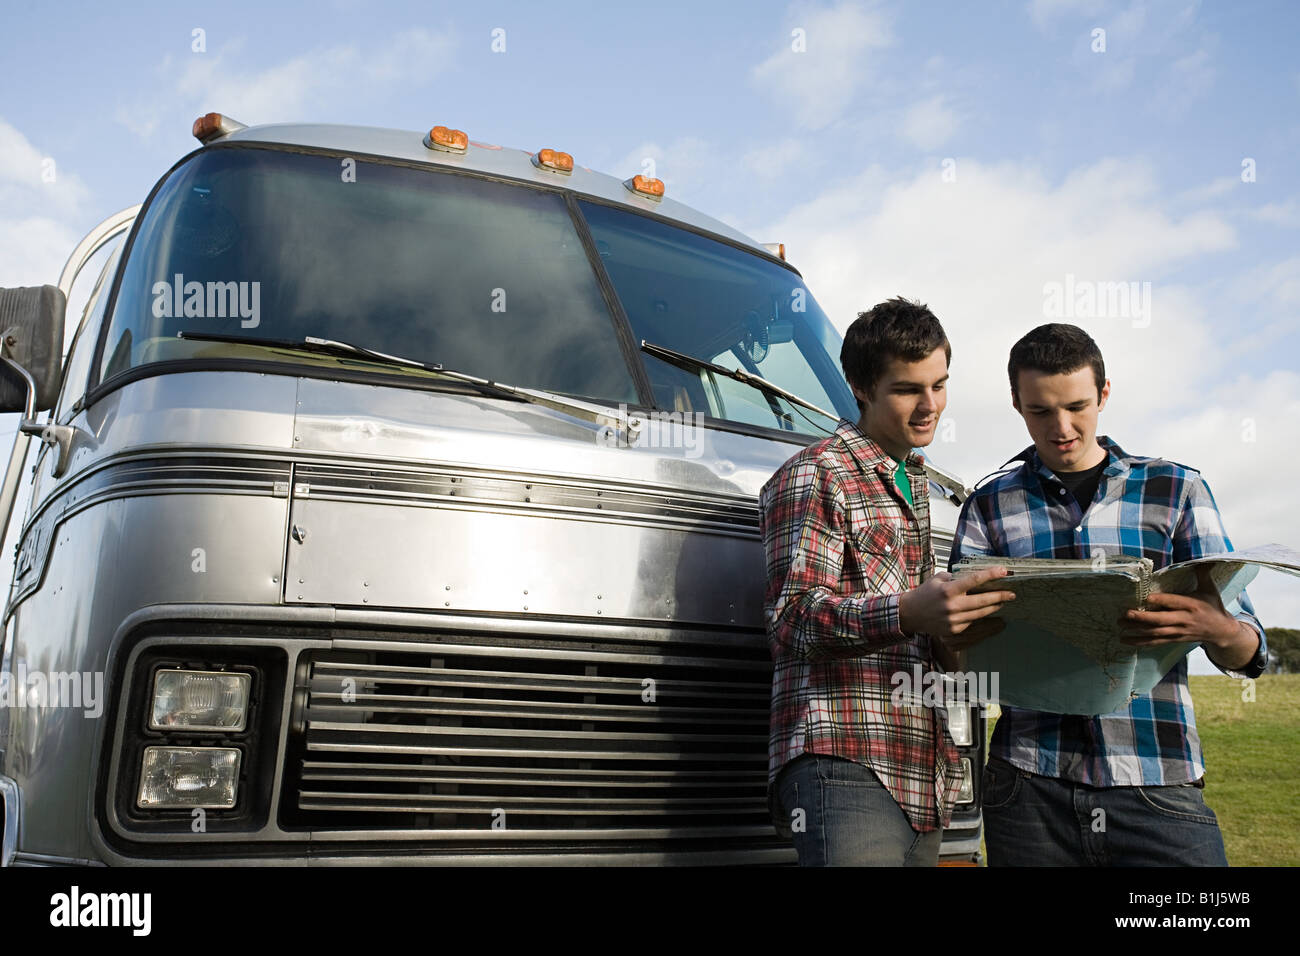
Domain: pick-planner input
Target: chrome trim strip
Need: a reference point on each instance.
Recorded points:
(12, 801)
(46, 859)
(92, 243)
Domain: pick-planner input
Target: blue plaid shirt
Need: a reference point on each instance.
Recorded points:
(1144, 507)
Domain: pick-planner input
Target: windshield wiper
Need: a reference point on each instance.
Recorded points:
(588, 411)
(957, 491)
(692, 364)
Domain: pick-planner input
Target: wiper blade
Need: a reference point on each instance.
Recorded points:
(587, 411)
(692, 364)
(958, 491)
(328, 346)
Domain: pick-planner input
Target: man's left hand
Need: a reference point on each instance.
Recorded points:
(1198, 617)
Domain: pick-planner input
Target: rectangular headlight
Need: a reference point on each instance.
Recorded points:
(184, 777)
(967, 792)
(959, 723)
(199, 700)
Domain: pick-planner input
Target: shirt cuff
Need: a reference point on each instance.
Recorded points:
(883, 620)
(1257, 664)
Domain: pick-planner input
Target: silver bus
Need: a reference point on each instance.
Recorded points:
(397, 503)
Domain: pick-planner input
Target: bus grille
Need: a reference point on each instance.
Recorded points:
(498, 745)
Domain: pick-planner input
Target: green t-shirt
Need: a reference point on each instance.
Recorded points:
(904, 483)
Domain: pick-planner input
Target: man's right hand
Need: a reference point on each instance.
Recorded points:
(941, 607)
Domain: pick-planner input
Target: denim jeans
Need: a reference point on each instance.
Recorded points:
(1030, 820)
(848, 818)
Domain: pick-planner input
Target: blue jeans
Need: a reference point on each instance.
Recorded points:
(842, 815)
(1030, 820)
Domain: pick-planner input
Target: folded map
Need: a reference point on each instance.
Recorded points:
(1061, 651)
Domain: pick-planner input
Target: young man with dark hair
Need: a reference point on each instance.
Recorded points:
(852, 600)
(1122, 789)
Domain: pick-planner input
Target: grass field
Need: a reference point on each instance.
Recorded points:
(1252, 760)
(1252, 765)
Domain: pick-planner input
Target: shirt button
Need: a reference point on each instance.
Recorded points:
(888, 548)
(1080, 528)
(1062, 491)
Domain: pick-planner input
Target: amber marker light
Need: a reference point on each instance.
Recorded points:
(447, 140)
(645, 186)
(553, 160)
(209, 126)
(776, 248)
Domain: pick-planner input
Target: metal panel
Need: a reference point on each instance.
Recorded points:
(440, 557)
(346, 420)
(191, 410)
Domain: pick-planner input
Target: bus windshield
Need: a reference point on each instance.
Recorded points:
(263, 244)
(475, 275)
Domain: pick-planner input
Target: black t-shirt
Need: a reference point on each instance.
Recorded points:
(1083, 484)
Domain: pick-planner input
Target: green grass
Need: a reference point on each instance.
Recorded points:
(1252, 761)
(1252, 778)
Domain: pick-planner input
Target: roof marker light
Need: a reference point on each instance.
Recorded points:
(776, 248)
(211, 126)
(646, 186)
(554, 160)
(446, 140)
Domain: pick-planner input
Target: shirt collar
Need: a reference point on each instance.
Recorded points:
(1117, 460)
(869, 454)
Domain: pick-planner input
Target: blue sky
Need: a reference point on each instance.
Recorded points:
(965, 154)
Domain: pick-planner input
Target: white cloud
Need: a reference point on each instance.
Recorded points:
(39, 200)
(218, 81)
(1241, 436)
(32, 181)
(686, 165)
(819, 84)
(1214, 189)
(1280, 213)
(774, 160)
(276, 94)
(930, 123)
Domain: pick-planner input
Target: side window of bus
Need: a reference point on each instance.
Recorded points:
(77, 367)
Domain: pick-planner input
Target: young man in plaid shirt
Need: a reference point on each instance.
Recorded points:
(1120, 789)
(852, 600)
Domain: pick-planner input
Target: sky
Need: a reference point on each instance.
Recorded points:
(1130, 167)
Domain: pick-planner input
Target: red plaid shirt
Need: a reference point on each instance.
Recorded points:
(841, 543)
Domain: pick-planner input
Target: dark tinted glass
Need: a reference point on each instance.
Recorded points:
(483, 277)
(727, 306)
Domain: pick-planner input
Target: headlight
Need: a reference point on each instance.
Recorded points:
(184, 777)
(967, 792)
(199, 700)
(959, 723)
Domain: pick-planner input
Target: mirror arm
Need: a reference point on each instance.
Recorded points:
(59, 436)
